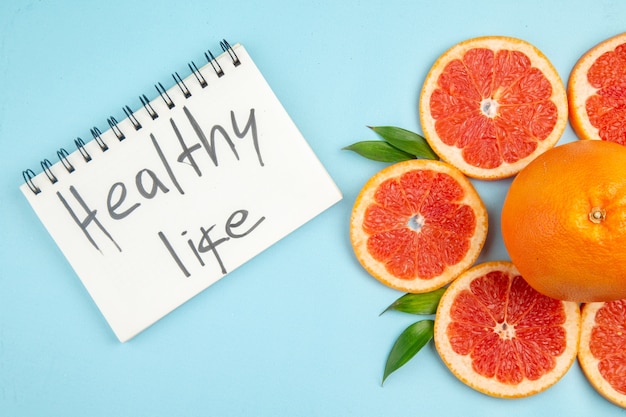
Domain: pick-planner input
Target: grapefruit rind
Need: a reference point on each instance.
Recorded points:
(358, 236)
(453, 154)
(461, 366)
(589, 363)
(579, 89)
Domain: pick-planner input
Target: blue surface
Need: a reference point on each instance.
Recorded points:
(296, 331)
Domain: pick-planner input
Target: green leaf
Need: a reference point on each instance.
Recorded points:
(378, 150)
(406, 141)
(411, 341)
(425, 303)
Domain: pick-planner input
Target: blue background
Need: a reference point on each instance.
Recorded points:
(296, 331)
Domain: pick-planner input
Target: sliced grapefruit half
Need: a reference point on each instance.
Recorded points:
(490, 105)
(602, 352)
(597, 92)
(416, 225)
(501, 337)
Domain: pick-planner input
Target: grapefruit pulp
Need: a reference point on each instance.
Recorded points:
(416, 225)
(597, 92)
(501, 337)
(602, 353)
(490, 105)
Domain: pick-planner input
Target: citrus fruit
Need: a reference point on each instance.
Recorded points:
(418, 224)
(597, 92)
(501, 337)
(490, 105)
(564, 221)
(602, 351)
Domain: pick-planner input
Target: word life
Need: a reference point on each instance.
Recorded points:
(207, 243)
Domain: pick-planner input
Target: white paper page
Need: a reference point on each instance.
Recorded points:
(158, 221)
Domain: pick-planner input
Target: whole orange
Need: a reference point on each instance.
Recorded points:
(564, 222)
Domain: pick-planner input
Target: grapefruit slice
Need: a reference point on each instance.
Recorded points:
(501, 337)
(597, 92)
(490, 105)
(602, 352)
(416, 225)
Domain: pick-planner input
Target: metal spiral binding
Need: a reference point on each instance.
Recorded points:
(28, 175)
(63, 155)
(231, 52)
(216, 65)
(97, 135)
(196, 72)
(181, 84)
(46, 166)
(115, 128)
(80, 145)
(166, 97)
(146, 104)
(131, 116)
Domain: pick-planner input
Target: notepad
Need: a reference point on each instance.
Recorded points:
(180, 192)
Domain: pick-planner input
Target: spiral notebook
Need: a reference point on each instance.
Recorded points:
(184, 189)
